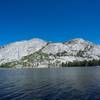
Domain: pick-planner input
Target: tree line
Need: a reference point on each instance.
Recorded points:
(82, 63)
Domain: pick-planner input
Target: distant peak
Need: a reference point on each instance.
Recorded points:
(79, 40)
(37, 39)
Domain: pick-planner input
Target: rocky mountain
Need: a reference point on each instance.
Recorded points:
(17, 50)
(39, 53)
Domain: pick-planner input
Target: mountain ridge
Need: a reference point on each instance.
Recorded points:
(40, 53)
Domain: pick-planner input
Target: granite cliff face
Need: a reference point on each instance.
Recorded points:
(39, 53)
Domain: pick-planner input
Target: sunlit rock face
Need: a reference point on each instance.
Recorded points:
(17, 50)
(37, 52)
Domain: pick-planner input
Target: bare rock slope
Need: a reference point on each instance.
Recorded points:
(39, 53)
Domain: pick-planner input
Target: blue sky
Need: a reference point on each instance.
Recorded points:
(51, 20)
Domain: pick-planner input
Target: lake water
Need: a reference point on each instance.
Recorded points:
(50, 84)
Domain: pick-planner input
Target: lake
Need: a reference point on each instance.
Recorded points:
(74, 83)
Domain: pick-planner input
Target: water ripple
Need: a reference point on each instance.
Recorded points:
(50, 84)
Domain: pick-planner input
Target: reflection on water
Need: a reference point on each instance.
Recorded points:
(50, 84)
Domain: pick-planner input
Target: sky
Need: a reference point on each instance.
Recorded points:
(51, 20)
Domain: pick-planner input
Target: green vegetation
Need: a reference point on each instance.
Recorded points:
(9, 64)
(32, 60)
(82, 63)
(80, 53)
(38, 58)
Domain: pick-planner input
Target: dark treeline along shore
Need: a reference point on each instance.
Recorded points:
(84, 63)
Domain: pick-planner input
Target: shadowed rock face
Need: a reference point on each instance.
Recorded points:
(2, 47)
(39, 52)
